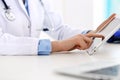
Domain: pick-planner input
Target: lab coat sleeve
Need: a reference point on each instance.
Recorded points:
(61, 31)
(11, 45)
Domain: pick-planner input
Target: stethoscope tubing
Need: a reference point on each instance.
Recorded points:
(5, 4)
(10, 16)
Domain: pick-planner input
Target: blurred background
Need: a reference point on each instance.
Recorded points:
(86, 13)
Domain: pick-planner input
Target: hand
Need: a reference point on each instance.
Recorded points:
(80, 42)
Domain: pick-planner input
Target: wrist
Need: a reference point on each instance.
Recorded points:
(63, 45)
(67, 45)
(56, 46)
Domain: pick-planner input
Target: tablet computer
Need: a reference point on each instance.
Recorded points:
(107, 32)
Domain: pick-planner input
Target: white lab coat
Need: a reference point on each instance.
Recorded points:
(21, 36)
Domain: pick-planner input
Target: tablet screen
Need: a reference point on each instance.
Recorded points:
(111, 28)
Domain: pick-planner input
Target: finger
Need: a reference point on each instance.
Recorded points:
(94, 35)
(88, 40)
(90, 43)
(105, 23)
(82, 45)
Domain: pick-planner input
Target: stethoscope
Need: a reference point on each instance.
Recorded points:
(11, 16)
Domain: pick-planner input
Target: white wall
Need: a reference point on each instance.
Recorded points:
(98, 12)
(80, 13)
(58, 6)
(76, 13)
(85, 13)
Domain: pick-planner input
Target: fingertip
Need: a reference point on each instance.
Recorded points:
(103, 38)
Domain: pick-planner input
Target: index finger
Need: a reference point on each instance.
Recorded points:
(94, 35)
(105, 23)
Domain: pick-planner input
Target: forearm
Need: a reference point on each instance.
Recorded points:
(63, 45)
(55, 46)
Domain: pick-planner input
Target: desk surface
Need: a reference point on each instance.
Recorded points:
(43, 67)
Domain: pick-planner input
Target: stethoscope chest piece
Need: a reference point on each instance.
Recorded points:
(9, 15)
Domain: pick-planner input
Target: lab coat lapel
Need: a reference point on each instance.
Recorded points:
(23, 7)
(36, 16)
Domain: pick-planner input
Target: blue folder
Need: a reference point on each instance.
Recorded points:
(115, 38)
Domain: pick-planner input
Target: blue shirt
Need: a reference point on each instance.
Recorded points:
(44, 46)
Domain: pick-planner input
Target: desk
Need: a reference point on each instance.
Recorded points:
(43, 67)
